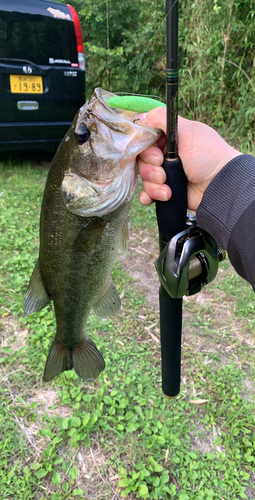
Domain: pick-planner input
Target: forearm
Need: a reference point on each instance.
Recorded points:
(227, 212)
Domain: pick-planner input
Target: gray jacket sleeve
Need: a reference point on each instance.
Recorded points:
(227, 212)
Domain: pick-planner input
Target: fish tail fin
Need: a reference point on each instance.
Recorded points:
(59, 359)
(83, 357)
(87, 360)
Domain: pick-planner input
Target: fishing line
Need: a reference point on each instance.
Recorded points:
(156, 97)
(143, 54)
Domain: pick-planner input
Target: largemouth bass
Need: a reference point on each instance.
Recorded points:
(84, 221)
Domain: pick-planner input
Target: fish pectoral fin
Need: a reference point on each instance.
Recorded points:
(124, 237)
(90, 236)
(108, 304)
(37, 296)
(83, 357)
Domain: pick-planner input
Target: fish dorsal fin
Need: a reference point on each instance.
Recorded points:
(124, 237)
(87, 199)
(90, 236)
(108, 304)
(37, 296)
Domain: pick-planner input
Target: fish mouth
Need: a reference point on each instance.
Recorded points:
(130, 134)
(116, 113)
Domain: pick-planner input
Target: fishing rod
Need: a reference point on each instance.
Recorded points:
(189, 256)
(171, 215)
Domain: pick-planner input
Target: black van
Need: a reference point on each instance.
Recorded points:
(42, 72)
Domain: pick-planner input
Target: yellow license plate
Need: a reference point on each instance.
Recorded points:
(26, 84)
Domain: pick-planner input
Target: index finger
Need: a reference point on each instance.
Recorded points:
(152, 155)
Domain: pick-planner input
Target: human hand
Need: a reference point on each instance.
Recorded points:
(203, 153)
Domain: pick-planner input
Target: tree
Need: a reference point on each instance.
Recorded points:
(125, 51)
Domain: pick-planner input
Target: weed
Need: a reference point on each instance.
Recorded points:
(119, 436)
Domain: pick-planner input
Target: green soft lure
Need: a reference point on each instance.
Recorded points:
(134, 103)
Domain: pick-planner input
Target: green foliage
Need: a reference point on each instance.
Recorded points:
(122, 51)
(217, 63)
(19, 212)
(149, 480)
(125, 51)
(199, 446)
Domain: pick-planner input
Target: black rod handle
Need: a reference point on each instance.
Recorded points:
(170, 338)
(171, 216)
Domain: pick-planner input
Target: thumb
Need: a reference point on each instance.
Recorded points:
(156, 118)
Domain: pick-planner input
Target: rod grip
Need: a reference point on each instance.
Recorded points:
(171, 216)
(170, 338)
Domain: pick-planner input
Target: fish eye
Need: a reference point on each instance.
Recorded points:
(82, 134)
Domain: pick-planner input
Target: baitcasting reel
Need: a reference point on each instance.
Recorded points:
(189, 261)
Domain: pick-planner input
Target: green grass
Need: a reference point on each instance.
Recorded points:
(119, 436)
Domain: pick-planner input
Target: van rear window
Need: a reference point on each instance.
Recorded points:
(38, 39)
